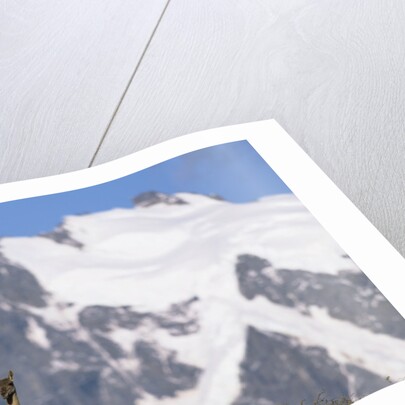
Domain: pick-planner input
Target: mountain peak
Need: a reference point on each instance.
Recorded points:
(153, 197)
(150, 198)
(62, 235)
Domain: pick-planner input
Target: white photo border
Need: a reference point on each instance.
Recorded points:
(368, 248)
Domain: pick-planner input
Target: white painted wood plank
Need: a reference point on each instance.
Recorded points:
(330, 71)
(63, 68)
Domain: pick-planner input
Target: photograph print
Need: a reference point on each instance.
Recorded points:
(201, 280)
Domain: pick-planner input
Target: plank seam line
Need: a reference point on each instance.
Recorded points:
(128, 84)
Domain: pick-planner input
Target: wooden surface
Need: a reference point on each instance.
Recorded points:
(63, 68)
(83, 83)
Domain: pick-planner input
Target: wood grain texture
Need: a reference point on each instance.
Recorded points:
(330, 71)
(63, 68)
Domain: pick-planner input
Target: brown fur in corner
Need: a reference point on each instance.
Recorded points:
(7, 389)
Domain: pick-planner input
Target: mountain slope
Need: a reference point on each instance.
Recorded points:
(189, 299)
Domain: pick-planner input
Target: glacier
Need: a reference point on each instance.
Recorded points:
(190, 299)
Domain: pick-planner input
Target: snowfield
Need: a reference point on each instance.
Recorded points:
(133, 256)
(153, 258)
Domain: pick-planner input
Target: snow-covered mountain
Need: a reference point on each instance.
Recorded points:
(191, 300)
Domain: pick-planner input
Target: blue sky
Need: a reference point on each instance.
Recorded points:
(234, 170)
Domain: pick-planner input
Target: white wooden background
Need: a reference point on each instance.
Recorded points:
(85, 82)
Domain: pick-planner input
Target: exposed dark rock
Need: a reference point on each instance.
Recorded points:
(110, 347)
(62, 235)
(348, 296)
(178, 320)
(81, 364)
(279, 370)
(104, 318)
(17, 285)
(150, 198)
(364, 381)
(161, 375)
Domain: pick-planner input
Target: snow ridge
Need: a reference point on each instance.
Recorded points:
(197, 300)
